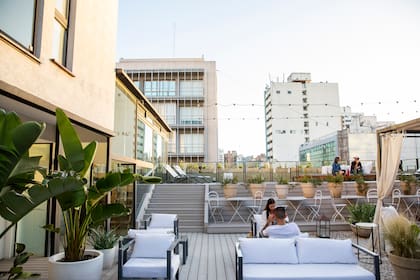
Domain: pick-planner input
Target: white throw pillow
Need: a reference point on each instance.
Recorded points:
(265, 250)
(162, 221)
(319, 250)
(152, 245)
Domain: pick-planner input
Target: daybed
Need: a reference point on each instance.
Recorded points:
(300, 258)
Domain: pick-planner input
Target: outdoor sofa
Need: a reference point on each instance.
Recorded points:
(301, 258)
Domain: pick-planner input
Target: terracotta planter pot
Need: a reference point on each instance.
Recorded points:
(408, 189)
(405, 268)
(256, 187)
(308, 190)
(282, 191)
(361, 190)
(335, 189)
(230, 190)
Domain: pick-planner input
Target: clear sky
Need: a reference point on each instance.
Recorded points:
(371, 48)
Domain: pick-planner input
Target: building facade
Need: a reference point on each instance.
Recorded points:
(358, 138)
(296, 112)
(184, 92)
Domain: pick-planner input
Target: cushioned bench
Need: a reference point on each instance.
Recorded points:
(301, 258)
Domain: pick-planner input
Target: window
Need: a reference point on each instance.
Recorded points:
(306, 124)
(17, 20)
(159, 88)
(191, 143)
(277, 91)
(191, 115)
(193, 88)
(289, 92)
(305, 100)
(60, 35)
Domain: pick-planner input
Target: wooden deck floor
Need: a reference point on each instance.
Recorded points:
(211, 257)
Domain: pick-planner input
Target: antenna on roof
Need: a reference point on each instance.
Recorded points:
(173, 40)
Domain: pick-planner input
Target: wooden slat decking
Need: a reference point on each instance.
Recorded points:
(211, 257)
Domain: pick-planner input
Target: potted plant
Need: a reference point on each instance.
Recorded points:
(230, 186)
(361, 186)
(308, 185)
(82, 204)
(282, 187)
(335, 185)
(106, 242)
(361, 213)
(255, 184)
(404, 237)
(408, 183)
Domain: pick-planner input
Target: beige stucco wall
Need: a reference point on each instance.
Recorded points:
(90, 93)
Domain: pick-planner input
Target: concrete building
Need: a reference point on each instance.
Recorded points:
(57, 56)
(359, 138)
(184, 92)
(296, 112)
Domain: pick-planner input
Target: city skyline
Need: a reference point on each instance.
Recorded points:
(368, 48)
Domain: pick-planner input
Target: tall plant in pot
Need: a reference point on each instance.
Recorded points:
(256, 184)
(408, 183)
(82, 204)
(106, 242)
(404, 237)
(282, 187)
(361, 186)
(308, 185)
(230, 186)
(361, 213)
(335, 185)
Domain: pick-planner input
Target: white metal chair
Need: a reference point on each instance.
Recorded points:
(255, 208)
(395, 199)
(315, 207)
(372, 196)
(417, 216)
(338, 208)
(214, 206)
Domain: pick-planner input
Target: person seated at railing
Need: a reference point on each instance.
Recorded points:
(356, 166)
(336, 167)
(281, 229)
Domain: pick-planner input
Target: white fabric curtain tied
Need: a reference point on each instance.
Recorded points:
(390, 159)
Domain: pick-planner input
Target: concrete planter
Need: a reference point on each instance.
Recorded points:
(405, 268)
(109, 256)
(87, 269)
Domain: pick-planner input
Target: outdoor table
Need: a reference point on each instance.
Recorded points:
(236, 203)
(290, 200)
(409, 200)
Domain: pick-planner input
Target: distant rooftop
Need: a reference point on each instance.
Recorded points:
(299, 77)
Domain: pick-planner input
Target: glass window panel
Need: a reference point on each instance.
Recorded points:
(59, 43)
(191, 143)
(191, 88)
(124, 125)
(17, 18)
(62, 7)
(140, 139)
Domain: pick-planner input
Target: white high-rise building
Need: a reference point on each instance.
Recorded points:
(297, 111)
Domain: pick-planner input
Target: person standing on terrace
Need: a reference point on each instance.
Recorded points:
(282, 229)
(336, 167)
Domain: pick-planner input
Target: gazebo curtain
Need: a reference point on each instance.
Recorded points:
(389, 160)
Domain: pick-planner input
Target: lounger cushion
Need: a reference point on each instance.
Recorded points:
(149, 268)
(162, 221)
(132, 232)
(328, 251)
(265, 250)
(306, 272)
(152, 245)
